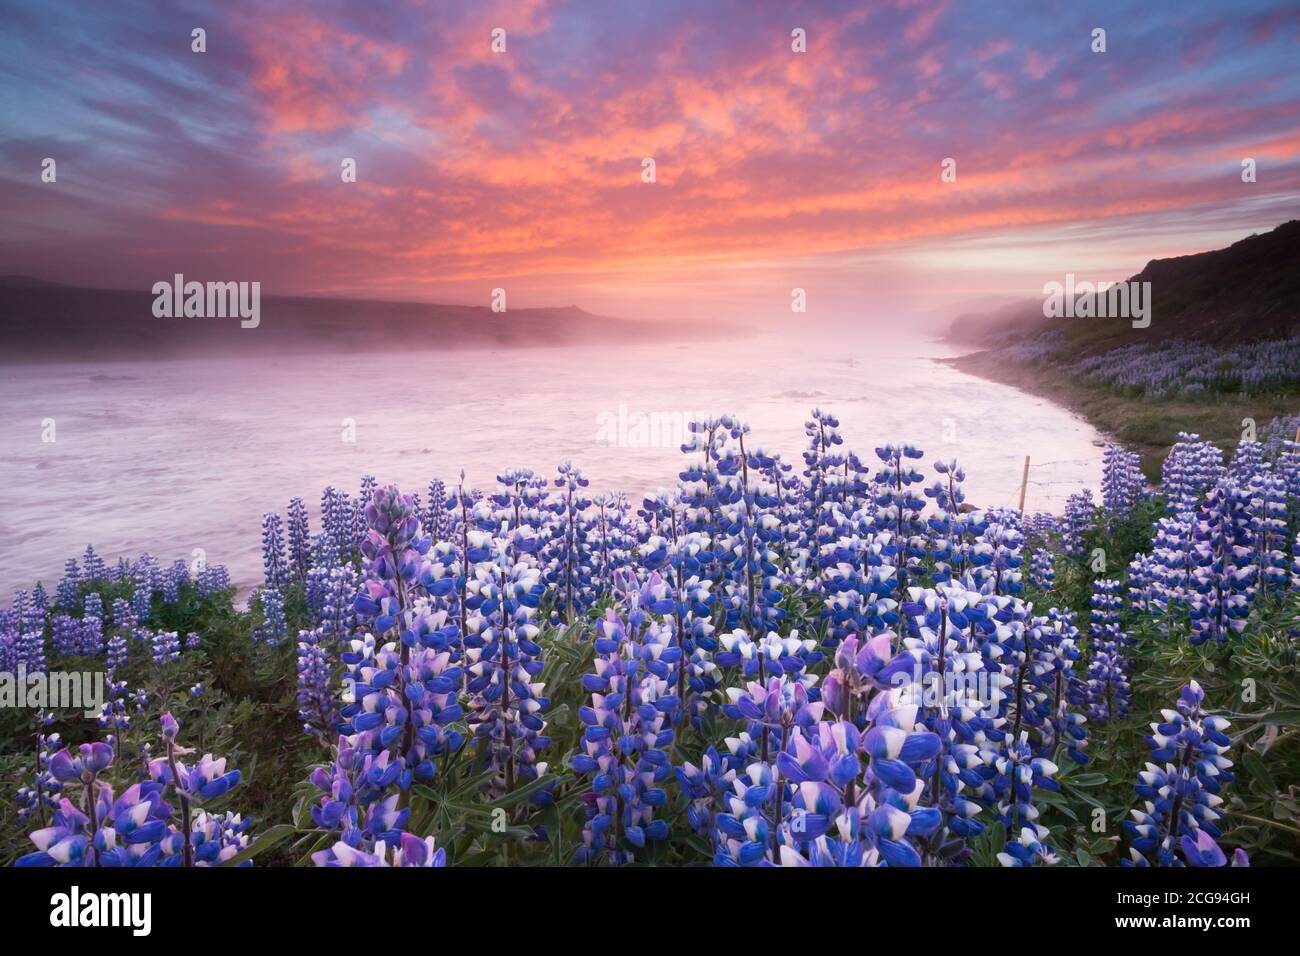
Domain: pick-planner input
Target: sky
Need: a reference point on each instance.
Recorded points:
(523, 169)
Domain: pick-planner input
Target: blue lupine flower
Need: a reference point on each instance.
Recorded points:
(1079, 518)
(568, 553)
(705, 787)
(166, 647)
(1247, 461)
(1204, 851)
(1108, 686)
(1019, 773)
(409, 851)
(1181, 789)
(1122, 483)
(274, 566)
(1267, 507)
(1059, 694)
(628, 729)
(952, 527)
(299, 540)
(859, 672)
(213, 579)
(1042, 570)
(274, 627)
(1220, 585)
(1191, 468)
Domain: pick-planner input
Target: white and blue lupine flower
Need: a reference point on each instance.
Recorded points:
(1181, 786)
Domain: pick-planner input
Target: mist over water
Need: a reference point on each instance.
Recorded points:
(170, 456)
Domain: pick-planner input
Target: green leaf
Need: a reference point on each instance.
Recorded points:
(1085, 780)
(320, 844)
(1255, 764)
(1282, 717)
(270, 838)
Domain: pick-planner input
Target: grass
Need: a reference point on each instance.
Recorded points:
(1141, 423)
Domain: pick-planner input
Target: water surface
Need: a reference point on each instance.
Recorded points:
(171, 456)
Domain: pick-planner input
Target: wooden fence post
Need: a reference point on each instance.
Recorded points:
(1024, 484)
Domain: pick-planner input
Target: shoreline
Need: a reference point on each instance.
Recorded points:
(1148, 426)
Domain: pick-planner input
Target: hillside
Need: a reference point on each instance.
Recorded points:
(1246, 292)
(44, 321)
(1223, 345)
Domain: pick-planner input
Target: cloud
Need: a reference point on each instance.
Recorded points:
(475, 167)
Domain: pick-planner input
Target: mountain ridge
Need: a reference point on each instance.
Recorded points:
(42, 321)
(1246, 291)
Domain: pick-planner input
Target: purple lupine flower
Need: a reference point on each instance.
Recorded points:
(274, 567)
(299, 540)
(316, 700)
(166, 647)
(627, 730)
(1122, 483)
(274, 627)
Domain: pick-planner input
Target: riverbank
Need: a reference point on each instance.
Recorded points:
(1141, 423)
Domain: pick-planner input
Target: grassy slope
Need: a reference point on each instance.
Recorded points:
(1247, 291)
(1143, 424)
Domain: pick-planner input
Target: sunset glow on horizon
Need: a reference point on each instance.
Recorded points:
(523, 169)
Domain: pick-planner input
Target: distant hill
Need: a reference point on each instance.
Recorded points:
(1248, 291)
(42, 321)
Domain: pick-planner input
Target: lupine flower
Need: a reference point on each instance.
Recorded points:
(960, 692)
(212, 579)
(117, 653)
(67, 635)
(1181, 788)
(410, 851)
(1042, 571)
(1204, 851)
(1019, 773)
(1059, 694)
(31, 651)
(503, 658)
(166, 647)
(705, 787)
(299, 540)
(995, 556)
(859, 672)
(316, 707)
(627, 730)
(1219, 586)
(1191, 468)
(92, 566)
(66, 591)
(274, 627)
(1122, 483)
(41, 797)
(1108, 687)
(952, 528)
(1079, 517)
(898, 507)
(274, 566)
(141, 604)
(1267, 508)
(1247, 461)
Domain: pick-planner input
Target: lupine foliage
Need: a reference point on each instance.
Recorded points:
(833, 665)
